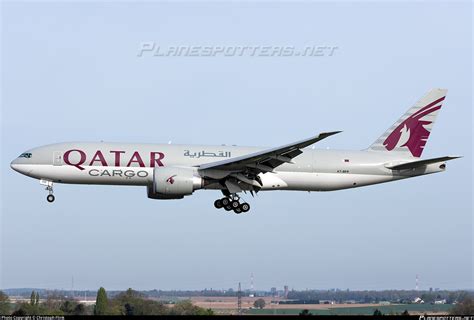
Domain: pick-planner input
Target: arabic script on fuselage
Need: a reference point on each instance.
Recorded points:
(203, 153)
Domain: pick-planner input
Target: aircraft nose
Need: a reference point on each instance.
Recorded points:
(14, 165)
(18, 166)
(23, 164)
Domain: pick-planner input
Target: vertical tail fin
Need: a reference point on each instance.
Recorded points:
(411, 132)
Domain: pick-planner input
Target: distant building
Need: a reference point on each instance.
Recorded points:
(443, 301)
(285, 294)
(273, 291)
(418, 300)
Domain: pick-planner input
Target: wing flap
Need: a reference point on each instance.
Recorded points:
(232, 186)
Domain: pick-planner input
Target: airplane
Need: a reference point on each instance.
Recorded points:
(174, 171)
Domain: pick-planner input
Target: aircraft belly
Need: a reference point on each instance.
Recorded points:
(307, 181)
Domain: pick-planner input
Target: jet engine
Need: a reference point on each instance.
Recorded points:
(174, 183)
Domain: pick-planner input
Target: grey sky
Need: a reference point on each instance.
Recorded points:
(70, 71)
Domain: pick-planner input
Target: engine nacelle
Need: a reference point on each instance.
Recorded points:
(174, 182)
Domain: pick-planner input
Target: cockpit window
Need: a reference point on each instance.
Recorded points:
(25, 155)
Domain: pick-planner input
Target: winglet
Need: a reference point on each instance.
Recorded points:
(319, 137)
(330, 133)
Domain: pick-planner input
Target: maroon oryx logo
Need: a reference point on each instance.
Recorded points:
(411, 133)
(170, 180)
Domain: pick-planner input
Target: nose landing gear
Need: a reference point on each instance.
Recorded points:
(49, 187)
(50, 198)
(232, 203)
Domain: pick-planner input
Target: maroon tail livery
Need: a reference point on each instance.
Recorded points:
(411, 132)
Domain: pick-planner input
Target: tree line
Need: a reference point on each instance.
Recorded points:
(130, 302)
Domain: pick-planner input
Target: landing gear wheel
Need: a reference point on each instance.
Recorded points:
(245, 207)
(218, 204)
(228, 208)
(235, 204)
(237, 210)
(225, 202)
(49, 187)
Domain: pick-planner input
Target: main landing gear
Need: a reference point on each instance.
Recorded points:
(232, 203)
(49, 187)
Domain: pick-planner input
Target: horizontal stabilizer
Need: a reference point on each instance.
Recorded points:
(420, 163)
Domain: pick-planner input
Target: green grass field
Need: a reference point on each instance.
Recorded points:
(389, 309)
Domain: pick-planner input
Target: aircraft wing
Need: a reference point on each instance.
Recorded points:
(244, 169)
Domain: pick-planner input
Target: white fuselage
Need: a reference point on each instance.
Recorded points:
(133, 164)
